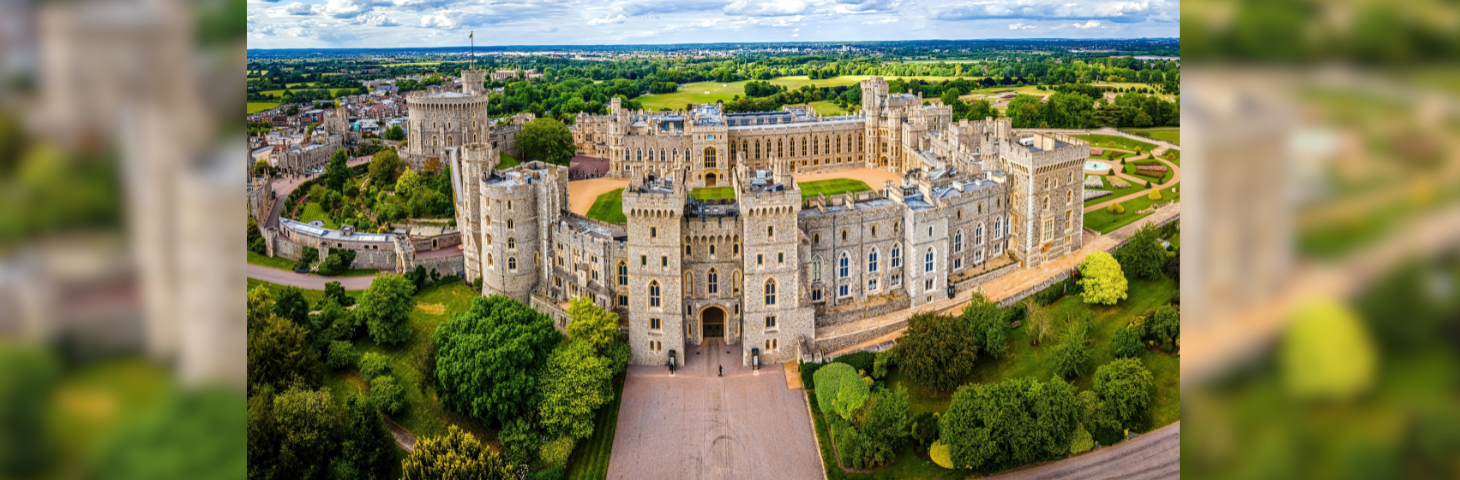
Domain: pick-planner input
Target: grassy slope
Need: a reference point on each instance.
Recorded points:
(89, 402)
(1172, 135)
(256, 107)
(713, 193)
(312, 211)
(590, 458)
(507, 162)
(1115, 141)
(825, 107)
(1106, 222)
(832, 187)
(609, 207)
(280, 263)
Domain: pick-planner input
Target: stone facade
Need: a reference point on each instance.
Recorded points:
(312, 153)
(440, 118)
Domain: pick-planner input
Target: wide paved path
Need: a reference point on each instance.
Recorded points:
(696, 425)
(1154, 455)
(307, 281)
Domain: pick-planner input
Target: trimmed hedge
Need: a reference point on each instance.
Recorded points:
(862, 361)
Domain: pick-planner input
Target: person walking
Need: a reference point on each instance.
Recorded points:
(722, 370)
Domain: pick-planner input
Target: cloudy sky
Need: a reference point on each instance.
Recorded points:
(442, 23)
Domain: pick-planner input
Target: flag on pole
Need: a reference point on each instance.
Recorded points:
(472, 34)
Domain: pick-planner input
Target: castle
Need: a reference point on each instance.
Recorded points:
(768, 267)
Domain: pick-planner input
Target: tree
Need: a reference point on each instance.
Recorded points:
(1036, 319)
(262, 433)
(458, 455)
(395, 133)
(383, 166)
(936, 351)
(1126, 342)
(337, 263)
(387, 394)
(556, 452)
(1010, 423)
(260, 306)
(337, 172)
(840, 390)
(548, 140)
(1025, 111)
(374, 365)
(342, 354)
(279, 355)
(367, 448)
(408, 183)
(489, 359)
(1101, 279)
(25, 391)
(333, 290)
(308, 430)
(1143, 256)
(575, 384)
(986, 320)
(385, 307)
(1124, 386)
(592, 324)
(1071, 355)
(886, 426)
(519, 442)
(1165, 324)
(292, 305)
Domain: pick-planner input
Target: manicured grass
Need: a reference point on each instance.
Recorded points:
(1175, 240)
(280, 92)
(423, 414)
(280, 263)
(1115, 141)
(832, 186)
(312, 211)
(699, 92)
(507, 162)
(88, 404)
(609, 207)
(1106, 222)
(256, 107)
(713, 193)
(825, 107)
(1172, 135)
(314, 296)
(1173, 156)
(590, 458)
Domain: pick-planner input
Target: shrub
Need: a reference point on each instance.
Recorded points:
(374, 365)
(1071, 355)
(338, 262)
(880, 364)
(387, 395)
(1155, 194)
(557, 451)
(808, 375)
(520, 442)
(937, 351)
(1127, 342)
(1082, 442)
(924, 428)
(1124, 386)
(862, 361)
(1102, 279)
(342, 354)
(25, 391)
(555, 473)
(1165, 326)
(386, 306)
(941, 455)
(307, 258)
(840, 389)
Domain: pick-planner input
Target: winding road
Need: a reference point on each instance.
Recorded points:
(1152, 455)
(282, 188)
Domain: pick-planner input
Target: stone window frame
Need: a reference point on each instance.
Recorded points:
(978, 234)
(843, 265)
(873, 260)
(770, 291)
(654, 294)
(712, 282)
(928, 259)
(511, 264)
(689, 284)
(780, 257)
(816, 268)
(895, 259)
(770, 322)
(958, 241)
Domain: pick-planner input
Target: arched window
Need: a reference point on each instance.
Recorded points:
(803, 146)
(1069, 197)
(745, 147)
(838, 143)
(757, 149)
(654, 293)
(778, 149)
(896, 256)
(844, 264)
(512, 263)
(998, 228)
(958, 241)
(712, 282)
(689, 284)
(816, 268)
(978, 234)
(732, 152)
(960, 214)
(859, 142)
(710, 157)
(489, 240)
(651, 154)
(675, 153)
(826, 140)
(662, 157)
(489, 260)
(872, 261)
(638, 155)
(623, 273)
(928, 261)
(770, 292)
(815, 146)
(735, 282)
(511, 244)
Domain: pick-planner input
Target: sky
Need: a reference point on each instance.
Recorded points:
(444, 23)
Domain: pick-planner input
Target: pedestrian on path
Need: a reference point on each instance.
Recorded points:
(722, 370)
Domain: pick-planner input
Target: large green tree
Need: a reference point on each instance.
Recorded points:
(575, 384)
(308, 433)
(1009, 423)
(29, 374)
(292, 305)
(1165, 324)
(1025, 111)
(386, 306)
(592, 324)
(489, 359)
(367, 448)
(936, 351)
(548, 140)
(1101, 279)
(279, 355)
(840, 390)
(383, 167)
(456, 456)
(886, 426)
(337, 171)
(1143, 256)
(987, 322)
(1072, 355)
(1124, 386)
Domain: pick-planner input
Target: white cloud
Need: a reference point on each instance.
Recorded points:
(882, 21)
(1119, 11)
(380, 20)
(767, 8)
(604, 21)
(866, 6)
(1020, 26)
(1086, 25)
(634, 8)
(438, 21)
(297, 8)
(351, 8)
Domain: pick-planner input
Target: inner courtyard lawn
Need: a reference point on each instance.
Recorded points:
(713, 193)
(831, 187)
(825, 107)
(609, 207)
(312, 211)
(1115, 141)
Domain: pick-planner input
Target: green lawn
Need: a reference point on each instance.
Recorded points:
(825, 107)
(314, 296)
(1106, 222)
(1116, 192)
(280, 92)
(713, 193)
(89, 402)
(312, 212)
(832, 187)
(609, 207)
(1172, 134)
(711, 92)
(1175, 240)
(1115, 141)
(256, 107)
(423, 415)
(590, 458)
(280, 263)
(507, 162)
(1173, 156)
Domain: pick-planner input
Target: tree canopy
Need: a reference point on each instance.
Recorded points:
(1124, 386)
(279, 355)
(839, 389)
(489, 359)
(383, 167)
(1101, 279)
(936, 351)
(1010, 423)
(1143, 256)
(575, 383)
(548, 140)
(386, 307)
(457, 456)
(592, 324)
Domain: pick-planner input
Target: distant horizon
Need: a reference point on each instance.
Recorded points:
(805, 42)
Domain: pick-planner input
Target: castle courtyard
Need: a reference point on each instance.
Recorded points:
(582, 193)
(873, 177)
(698, 425)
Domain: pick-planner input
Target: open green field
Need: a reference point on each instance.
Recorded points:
(1163, 96)
(590, 458)
(280, 92)
(256, 107)
(1106, 222)
(1172, 134)
(1115, 141)
(312, 211)
(949, 61)
(609, 207)
(832, 187)
(711, 92)
(825, 107)
(262, 260)
(410, 64)
(713, 193)
(507, 162)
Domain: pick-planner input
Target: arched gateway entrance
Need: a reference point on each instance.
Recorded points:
(709, 180)
(712, 322)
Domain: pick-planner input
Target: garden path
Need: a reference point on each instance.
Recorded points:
(1175, 178)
